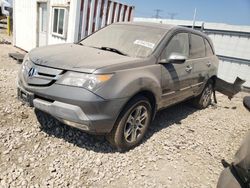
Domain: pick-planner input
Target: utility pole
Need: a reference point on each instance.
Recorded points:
(172, 15)
(194, 18)
(157, 13)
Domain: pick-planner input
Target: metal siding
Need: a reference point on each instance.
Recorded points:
(232, 46)
(73, 21)
(84, 18)
(104, 13)
(25, 37)
(127, 14)
(121, 13)
(97, 17)
(116, 12)
(91, 15)
(110, 14)
(229, 71)
(101, 13)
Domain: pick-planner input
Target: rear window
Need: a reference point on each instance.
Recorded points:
(209, 51)
(197, 49)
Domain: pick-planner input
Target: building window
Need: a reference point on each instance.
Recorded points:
(59, 22)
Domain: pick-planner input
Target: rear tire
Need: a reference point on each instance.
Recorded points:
(204, 99)
(132, 124)
(246, 102)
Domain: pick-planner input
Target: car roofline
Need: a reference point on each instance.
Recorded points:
(167, 27)
(148, 24)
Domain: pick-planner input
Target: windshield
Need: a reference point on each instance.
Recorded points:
(132, 40)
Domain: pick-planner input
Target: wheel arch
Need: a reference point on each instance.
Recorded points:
(145, 93)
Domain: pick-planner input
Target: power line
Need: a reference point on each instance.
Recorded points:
(157, 13)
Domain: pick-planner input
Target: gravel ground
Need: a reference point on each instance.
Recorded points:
(183, 147)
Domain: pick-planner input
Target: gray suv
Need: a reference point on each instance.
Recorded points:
(114, 81)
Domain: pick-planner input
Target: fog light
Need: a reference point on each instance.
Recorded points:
(76, 125)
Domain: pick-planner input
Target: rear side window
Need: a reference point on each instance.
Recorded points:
(197, 49)
(209, 51)
(178, 44)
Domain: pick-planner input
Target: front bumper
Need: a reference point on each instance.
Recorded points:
(76, 107)
(66, 113)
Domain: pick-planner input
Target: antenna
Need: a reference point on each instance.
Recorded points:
(194, 18)
(157, 13)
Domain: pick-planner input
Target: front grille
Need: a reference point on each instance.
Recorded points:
(36, 75)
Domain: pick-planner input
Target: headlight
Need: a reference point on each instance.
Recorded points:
(26, 58)
(26, 63)
(89, 81)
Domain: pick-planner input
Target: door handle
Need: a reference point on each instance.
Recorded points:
(189, 68)
(209, 64)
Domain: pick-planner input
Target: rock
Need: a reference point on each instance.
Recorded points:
(20, 159)
(52, 169)
(6, 152)
(98, 162)
(24, 115)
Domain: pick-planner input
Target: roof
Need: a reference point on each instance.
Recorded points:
(148, 24)
(167, 27)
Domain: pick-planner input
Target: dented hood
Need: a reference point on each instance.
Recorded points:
(76, 57)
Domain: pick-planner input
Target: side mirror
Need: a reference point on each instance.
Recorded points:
(174, 58)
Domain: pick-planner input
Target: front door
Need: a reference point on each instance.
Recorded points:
(176, 78)
(42, 24)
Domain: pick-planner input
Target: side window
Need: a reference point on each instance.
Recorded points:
(197, 49)
(209, 51)
(178, 44)
(59, 22)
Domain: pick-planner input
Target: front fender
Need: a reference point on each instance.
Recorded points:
(126, 83)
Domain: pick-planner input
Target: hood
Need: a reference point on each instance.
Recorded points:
(76, 57)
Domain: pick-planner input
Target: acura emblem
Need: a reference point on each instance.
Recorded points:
(32, 72)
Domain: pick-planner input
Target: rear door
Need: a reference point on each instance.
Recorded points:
(199, 62)
(176, 78)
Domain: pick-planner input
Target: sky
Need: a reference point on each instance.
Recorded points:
(236, 12)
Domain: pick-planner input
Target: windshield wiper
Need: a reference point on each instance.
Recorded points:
(113, 50)
(107, 49)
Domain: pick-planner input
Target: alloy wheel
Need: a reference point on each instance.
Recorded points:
(136, 123)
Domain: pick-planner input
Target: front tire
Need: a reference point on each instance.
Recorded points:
(132, 124)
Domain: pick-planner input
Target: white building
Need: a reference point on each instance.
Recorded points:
(231, 42)
(42, 22)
